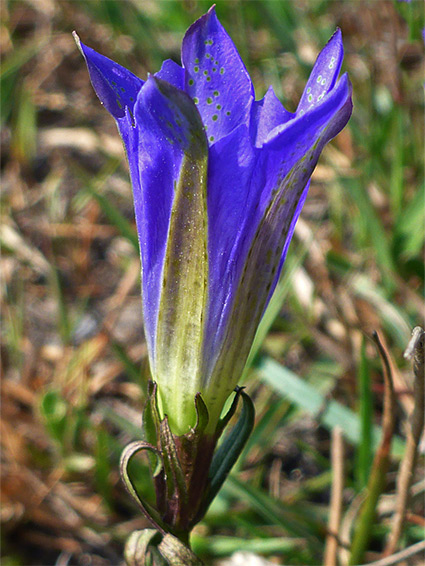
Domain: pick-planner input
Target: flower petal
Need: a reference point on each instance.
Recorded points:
(324, 74)
(116, 87)
(216, 79)
(172, 73)
(266, 114)
(229, 209)
(289, 161)
(172, 223)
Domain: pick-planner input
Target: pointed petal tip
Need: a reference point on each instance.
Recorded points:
(210, 14)
(337, 38)
(78, 42)
(81, 47)
(345, 80)
(115, 85)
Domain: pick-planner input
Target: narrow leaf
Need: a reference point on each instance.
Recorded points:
(331, 413)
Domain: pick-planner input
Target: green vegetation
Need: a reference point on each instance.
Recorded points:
(74, 356)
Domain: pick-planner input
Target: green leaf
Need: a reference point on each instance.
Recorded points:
(410, 227)
(293, 519)
(331, 413)
(54, 411)
(225, 545)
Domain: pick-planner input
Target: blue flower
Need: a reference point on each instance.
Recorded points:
(219, 180)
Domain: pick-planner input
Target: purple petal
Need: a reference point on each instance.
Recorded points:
(266, 114)
(261, 242)
(216, 77)
(165, 123)
(324, 74)
(172, 73)
(229, 206)
(115, 86)
(172, 224)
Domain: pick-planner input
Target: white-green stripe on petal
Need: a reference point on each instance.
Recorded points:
(180, 326)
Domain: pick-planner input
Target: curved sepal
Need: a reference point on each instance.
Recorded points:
(129, 451)
(222, 423)
(229, 451)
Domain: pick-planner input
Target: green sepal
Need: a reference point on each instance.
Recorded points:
(187, 473)
(229, 450)
(174, 476)
(222, 423)
(129, 451)
(181, 457)
(151, 420)
(202, 416)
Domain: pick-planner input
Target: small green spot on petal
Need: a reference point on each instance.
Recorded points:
(211, 138)
(205, 73)
(209, 100)
(216, 93)
(214, 118)
(222, 71)
(191, 82)
(228, 113)
(208, 79)
(218, 106)
(196, 100)
(196, 69)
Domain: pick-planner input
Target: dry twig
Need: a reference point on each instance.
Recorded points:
(400, 556)
(330, 557)
(415, 350)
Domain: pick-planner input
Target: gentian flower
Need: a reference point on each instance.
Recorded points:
(219, 180)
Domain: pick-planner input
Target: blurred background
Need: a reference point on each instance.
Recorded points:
(74, 360)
